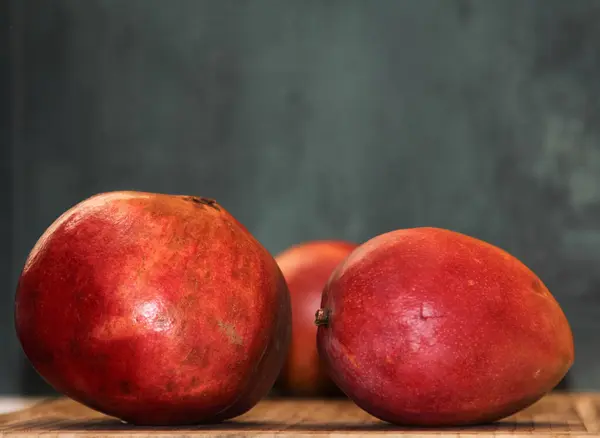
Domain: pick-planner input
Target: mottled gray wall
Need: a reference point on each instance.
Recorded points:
(324, 119)
(5, 182)
(6, 213)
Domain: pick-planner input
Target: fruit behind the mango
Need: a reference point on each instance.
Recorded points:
(155, 309)
(306, 268)
(430, 327)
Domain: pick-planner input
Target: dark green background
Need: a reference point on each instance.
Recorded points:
(318, 119)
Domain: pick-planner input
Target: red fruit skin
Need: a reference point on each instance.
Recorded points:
(306, 268)
(156, 309)
(428, 327)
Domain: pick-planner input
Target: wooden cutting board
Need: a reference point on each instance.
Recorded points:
(559, 414)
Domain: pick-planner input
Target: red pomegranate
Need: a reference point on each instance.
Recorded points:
(306, 268)
(156, 309)
(430, 327)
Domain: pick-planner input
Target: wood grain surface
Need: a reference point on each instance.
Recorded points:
(559, 414)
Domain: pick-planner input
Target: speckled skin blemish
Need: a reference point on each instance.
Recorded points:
(430, 327)
(306, 268)
(155, 309)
